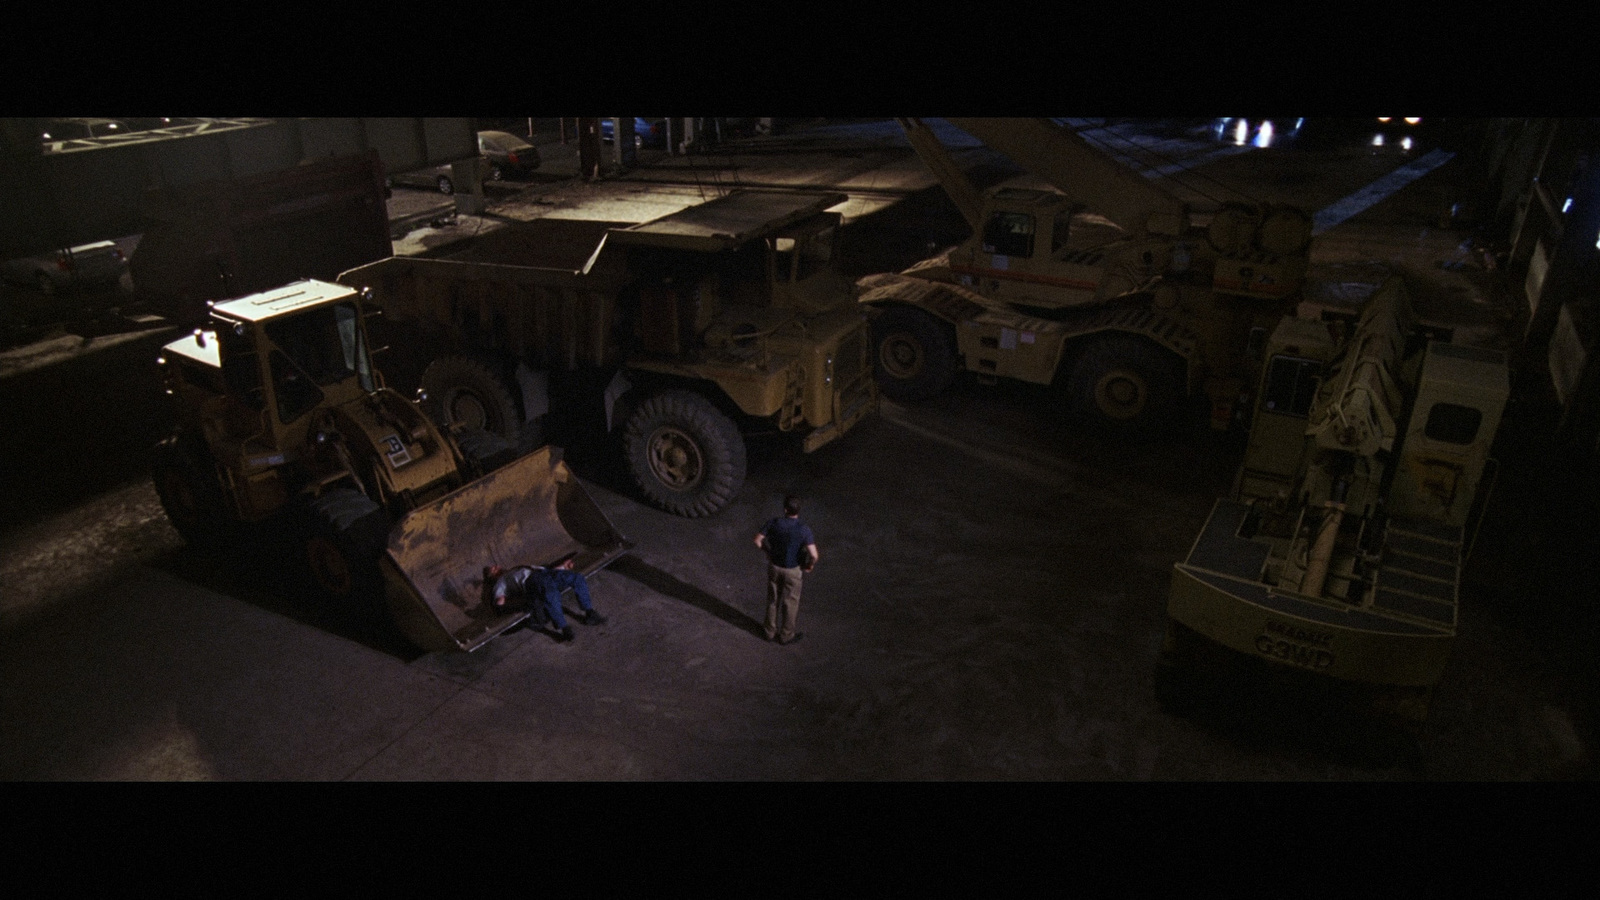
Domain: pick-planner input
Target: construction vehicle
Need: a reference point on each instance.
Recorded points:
(284, 423)
(228, 237)
(1102, 280)
(1336, 561)
(669, 342)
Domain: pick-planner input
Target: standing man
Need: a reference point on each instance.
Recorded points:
(519, 582)
(791, 549)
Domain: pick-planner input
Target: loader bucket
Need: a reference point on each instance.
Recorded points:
(531, 512)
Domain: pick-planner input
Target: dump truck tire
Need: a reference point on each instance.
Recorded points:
(914, 356)
(485, 451)
(187, 484)
(684, 454)
(464, 391)
(345, 535)
(1126, 384)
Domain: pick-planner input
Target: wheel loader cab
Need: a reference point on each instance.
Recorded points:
(294, 357)
(250, 386)
(282, 418)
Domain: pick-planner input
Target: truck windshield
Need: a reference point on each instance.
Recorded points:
(324, 343)
(1009, 234)
(816, 254)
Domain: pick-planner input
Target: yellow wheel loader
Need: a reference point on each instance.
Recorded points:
(283, 422)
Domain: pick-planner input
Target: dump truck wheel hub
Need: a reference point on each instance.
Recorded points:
(901, 355)
(1121, 394)
(675, 459)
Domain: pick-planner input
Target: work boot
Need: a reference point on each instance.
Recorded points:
(593, 617)
(565, 635)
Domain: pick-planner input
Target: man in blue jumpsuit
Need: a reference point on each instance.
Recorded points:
(791, 549)
(519, 582)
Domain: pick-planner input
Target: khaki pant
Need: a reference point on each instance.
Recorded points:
(783, 598)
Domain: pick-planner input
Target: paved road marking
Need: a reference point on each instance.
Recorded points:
(1370, 195)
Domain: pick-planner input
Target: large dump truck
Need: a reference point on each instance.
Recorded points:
(669, 341)
(283, 423)
(1336, 561)
(1102, 280)
(224, 238)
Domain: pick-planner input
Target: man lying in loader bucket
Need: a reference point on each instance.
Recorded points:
(531, 510)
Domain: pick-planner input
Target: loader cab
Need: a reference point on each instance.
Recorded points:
(289, 352)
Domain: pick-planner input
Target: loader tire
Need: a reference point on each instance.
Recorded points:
(464, 391)
(485, 451)
(346, 533)
(1126, 385)
(914, 354)
(684, 454)
(192, 495)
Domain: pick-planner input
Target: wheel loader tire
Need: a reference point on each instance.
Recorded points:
(190, 492)
(1126, 385)
(914, 354)
(684, 454)
(485, 451)
(345, 535)
(464, 391)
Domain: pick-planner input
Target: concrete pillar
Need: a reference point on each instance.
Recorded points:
(588, 149)
(467, 177)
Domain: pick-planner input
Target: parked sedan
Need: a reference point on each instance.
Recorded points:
(505, 153)
(97, 265)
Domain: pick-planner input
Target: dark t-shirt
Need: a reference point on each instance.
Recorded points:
(786, 537)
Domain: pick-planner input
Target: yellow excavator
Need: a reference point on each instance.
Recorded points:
(283, 422)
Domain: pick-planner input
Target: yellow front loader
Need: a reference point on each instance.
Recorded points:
(282, 421)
